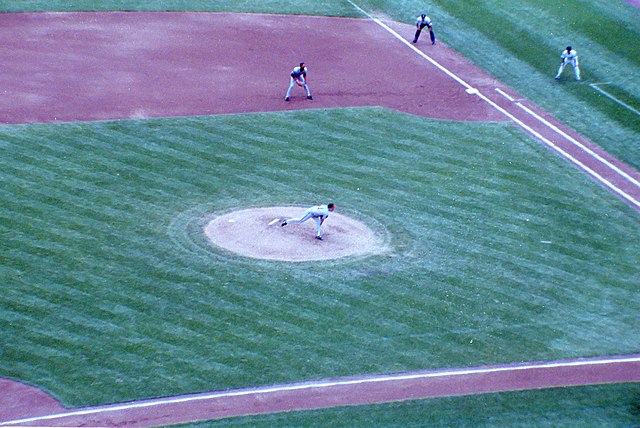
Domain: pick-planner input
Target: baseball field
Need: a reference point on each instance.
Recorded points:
(124, 134)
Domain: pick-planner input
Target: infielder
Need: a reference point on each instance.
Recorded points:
(424, 21)
(318, 213)
(569, 56)
(299, 77)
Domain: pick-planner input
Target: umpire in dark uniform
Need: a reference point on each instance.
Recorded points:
(424, 21)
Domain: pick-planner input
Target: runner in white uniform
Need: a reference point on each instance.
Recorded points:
(569, 56)
(299, 77)
(318, 213)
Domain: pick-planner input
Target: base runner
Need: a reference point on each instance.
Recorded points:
(569, 56)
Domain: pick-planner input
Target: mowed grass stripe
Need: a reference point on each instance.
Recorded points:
(112, 273)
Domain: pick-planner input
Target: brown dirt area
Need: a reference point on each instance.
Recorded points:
(18, 400)
(97, 66)
(257, 233)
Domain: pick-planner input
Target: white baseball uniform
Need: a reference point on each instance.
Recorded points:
(569, 56)
(318, 213)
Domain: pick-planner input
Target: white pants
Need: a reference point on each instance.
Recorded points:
(293, 83)
(576, 69)
(306, 217)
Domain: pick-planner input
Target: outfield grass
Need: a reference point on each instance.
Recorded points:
(520, 45)
(502, 252)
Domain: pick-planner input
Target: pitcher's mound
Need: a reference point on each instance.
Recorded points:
(257, 233)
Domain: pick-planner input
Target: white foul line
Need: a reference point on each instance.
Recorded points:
(582, 146)
(563, 153)
(504, 94)
(330, 384)
(571, 139)
(506, 113)
(611, 97)
(418, 51)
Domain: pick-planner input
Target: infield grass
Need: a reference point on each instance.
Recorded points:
(501, 252)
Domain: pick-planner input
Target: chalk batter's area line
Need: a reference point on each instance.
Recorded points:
(353, 391)
(597, 87)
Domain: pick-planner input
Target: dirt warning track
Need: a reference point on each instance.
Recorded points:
(347, 392)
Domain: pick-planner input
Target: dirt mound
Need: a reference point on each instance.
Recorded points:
(257, 233)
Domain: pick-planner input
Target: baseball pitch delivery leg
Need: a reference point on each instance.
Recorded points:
(318, 225)
(302, 219)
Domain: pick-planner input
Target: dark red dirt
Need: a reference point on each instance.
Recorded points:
(94, 66)
(18, 400)
(350, 391)
(99, 66)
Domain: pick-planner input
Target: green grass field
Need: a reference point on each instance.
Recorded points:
(501, 252)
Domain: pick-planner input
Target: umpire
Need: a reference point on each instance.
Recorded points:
(424, 21)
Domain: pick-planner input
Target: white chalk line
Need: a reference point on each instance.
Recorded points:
(582, 146)
(416, 50)
(611, 97)
(570, 139)
(575, 161)
(331, 384)
(527, 128)
(504, 94)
